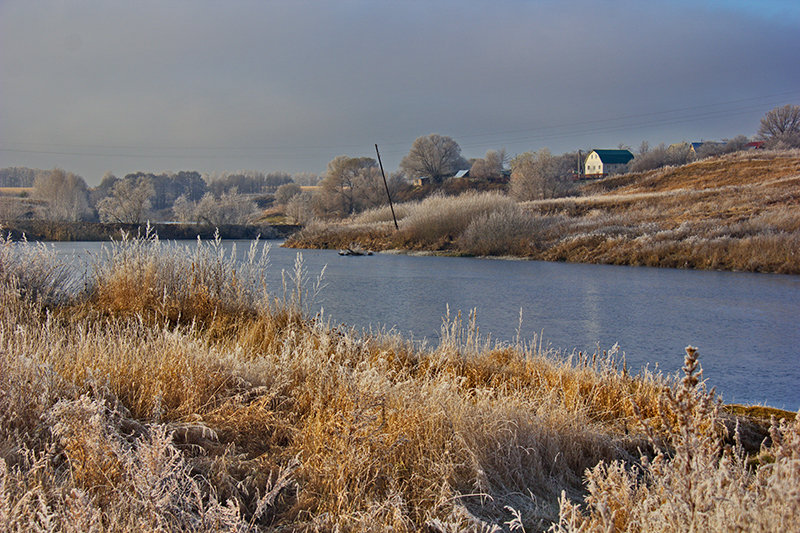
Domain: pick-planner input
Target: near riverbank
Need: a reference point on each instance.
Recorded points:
(736, 212)
(170, 392)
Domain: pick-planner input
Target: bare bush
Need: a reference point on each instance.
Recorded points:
(661, 156)
(539, 175)
(490, 167)
(286, 192)
(300, 208)
(384, 214)
(230, 208)
(502, 232)
(441, 218)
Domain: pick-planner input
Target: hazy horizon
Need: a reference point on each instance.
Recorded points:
(93, 86)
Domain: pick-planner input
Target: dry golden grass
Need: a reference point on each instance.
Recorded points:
(736, 212)
(16, 191)
(226, 408)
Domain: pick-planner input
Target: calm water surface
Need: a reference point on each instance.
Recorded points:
(745, 325)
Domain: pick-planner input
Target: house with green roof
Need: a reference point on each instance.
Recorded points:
(601, 163)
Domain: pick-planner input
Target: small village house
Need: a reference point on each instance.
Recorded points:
(601, 163)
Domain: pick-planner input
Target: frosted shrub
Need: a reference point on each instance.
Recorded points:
(443, 217)
(37, 271)
(384, 213)
(180, 280)
(503, 232)
(695, 482)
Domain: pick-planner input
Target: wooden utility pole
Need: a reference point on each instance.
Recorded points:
(387, 188)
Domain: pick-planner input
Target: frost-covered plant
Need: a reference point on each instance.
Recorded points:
(695, 482)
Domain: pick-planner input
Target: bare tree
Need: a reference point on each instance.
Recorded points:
(306, 178)
(781, 127)
(434, 156)
(129, 201)
(230, 208)
(286, 191)
(183, 209)
(661, 156)
(489, 168)
(65, 193)
(350, 184)
(300, 208)
(540, 175)
(727, 146)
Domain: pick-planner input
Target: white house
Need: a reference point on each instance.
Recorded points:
(600, 163)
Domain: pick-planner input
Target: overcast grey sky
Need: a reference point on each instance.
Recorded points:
(167, 85)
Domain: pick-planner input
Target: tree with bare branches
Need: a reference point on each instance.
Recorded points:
(538, 175)
(350, 184)
(780, 127)
(489, 168)
(129, 201)
(434, 156)
(66, 195)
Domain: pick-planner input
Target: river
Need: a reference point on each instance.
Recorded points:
(746, 326)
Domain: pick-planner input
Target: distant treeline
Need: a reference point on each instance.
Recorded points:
(215, 200)
(19, 176)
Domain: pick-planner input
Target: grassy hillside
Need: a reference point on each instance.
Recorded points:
(737, 212)
(172, 391)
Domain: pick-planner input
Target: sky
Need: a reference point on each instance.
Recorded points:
(213, 86)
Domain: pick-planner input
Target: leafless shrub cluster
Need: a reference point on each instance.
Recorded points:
(439, 219)
(384, 213)
(500, 232)
(662, 156)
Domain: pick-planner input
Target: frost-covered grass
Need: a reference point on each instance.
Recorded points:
(172, 392)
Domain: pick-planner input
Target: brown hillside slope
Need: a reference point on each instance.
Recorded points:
(739, 212)
(740, 169)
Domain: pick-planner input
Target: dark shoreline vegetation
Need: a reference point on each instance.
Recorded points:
(170, 392)
(43, 230)
(736, 212)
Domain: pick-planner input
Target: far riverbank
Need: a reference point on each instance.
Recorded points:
(738, 213)
(40, 230)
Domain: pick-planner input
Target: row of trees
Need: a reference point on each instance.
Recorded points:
(186, 196)
(349, 184)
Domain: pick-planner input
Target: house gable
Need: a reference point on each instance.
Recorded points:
(601, 162)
